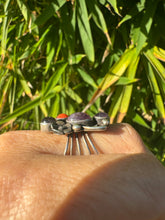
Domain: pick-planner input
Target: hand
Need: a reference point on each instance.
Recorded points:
(126, 182)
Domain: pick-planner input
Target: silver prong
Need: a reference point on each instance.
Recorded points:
(95, 128)
(78, 144)
(71, 145)
(85, 142)
(67, 145)
(45, 127)
(91, 143)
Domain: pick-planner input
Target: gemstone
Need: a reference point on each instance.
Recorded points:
(79, 118)
(102, 115)
(61, 116)
(102, 118)
(48, 120)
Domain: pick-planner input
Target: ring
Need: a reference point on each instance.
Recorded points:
(75, 126)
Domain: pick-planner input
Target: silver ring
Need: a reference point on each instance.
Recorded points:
(76, 128)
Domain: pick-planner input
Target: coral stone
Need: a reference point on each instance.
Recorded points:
(79, 118)
(61, 116)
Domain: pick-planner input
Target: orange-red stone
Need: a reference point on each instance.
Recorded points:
(62, 115)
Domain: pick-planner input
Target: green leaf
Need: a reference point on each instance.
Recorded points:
(113, 3)
(49, 11)
(73, 95)
(54, 79)
(127, 90)
(99, 18)
(159, 53)
(54, 109)
(139, 120)
(24, 9)
(21, 110)
(158, 99)
(156, 64)
(76, 59)
(115, 104)
(68, 21)
(126, 81)
(87, 78)
(133, 12)
(43, 109)
(85, 30)
(41, 40)
(50, 54)
(115, 72)
(97, 15)
(25, 54)
(146, 23)
(24, 83)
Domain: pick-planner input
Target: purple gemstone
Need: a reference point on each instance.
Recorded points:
(79, 118)
(101, 115)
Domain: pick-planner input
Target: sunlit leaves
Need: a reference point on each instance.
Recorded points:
(85, 30)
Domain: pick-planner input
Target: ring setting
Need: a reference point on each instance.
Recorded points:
(76, 127)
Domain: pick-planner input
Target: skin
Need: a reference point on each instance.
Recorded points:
(37, 182)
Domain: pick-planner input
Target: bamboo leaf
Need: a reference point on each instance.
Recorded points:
(85, 30)
(50, 54)
(159, 53)
(139, 120)
(24, 9)
(4, 34)
(113, 75)
(133, 12)
(127, 91)
(156, 64)
(76, 59)
(155, 89)
(146, 23)
(21, 110)
(73, 95)
(97, 15)
(43, 109)
(41, 40)
(54, 79)
(113, 3)
(54, 110)
(115, 104)
(68, 20)
(5, 90)
(6, 5)
(24, 83)
(98, 18)
(87, 78)
(126, 81)
(49, 11)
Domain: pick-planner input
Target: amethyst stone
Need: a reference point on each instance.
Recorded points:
(102, 118)
(79, 118)
(102, 115)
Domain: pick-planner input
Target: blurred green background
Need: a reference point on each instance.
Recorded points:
(79, 55)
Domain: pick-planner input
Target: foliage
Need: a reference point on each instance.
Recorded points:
(65, 56)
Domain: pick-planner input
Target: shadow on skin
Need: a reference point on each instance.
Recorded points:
(118, 191)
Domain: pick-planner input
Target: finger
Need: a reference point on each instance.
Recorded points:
(119, 138)
(93, 187)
